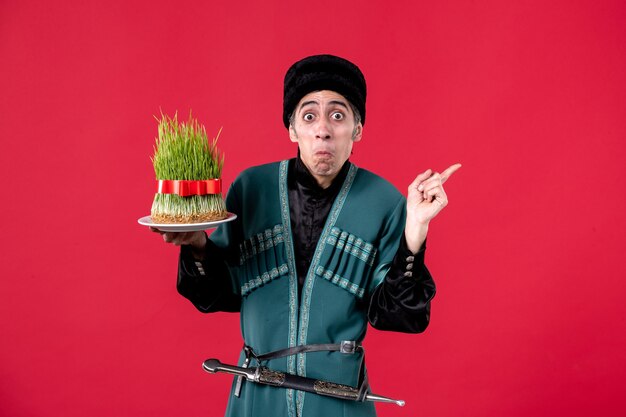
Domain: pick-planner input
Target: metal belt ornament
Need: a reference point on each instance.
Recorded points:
(186, 188)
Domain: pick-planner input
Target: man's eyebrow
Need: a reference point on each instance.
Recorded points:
(306, 103)
(339, 103)
(335, 102)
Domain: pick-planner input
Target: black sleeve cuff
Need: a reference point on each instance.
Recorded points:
(206, 283)
(193, 267)
(407, 264)
(402, 301)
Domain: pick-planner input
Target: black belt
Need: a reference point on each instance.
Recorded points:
(346, 346)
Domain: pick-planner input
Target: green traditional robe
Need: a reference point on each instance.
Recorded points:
(353, 255)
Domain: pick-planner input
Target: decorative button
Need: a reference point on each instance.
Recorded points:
(408, 274)
(410, 258)
(409, 267)
(200, 268)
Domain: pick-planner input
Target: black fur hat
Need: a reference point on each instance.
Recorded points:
(323, 72)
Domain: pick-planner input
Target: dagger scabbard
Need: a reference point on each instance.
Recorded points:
(265, 376)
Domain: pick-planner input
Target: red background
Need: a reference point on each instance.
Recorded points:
(529, 319)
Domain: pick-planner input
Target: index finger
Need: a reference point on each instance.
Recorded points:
(448, 172)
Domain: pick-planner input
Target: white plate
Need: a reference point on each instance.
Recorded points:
(184, 227)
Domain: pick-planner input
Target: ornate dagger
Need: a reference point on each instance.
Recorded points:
(263, 375)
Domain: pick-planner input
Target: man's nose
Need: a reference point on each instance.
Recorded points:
(323, 128)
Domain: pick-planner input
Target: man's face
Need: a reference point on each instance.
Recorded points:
(323, 126)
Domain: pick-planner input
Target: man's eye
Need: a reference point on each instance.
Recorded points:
(337, 116)
(308, 117)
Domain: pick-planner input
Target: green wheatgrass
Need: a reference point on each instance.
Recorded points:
(183, 152)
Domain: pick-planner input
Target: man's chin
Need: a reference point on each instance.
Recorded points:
(323, 169)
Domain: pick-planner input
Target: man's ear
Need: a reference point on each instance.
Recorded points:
(292, 133)
(358, 133)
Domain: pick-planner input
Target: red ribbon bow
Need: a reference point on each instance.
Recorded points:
(185, 188)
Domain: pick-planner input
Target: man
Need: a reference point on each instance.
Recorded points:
(319, 249)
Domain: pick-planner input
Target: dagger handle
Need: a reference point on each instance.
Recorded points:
(213, 366)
